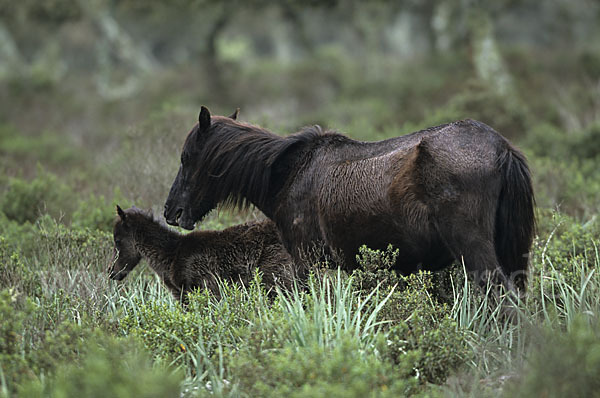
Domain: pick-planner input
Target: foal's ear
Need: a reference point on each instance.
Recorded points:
(234, 115)
(121, 213)
(204, 119)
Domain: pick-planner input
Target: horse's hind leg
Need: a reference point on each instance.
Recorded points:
(470, 239)
(479, 257)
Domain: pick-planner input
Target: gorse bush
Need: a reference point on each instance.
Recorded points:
(342, 370)
(25, 201)
(14, 273)
(46, 195)
(51, 149)
(561, 244)
(110, 368)
(570, 186)
(562, 365)
(375, 268)
(81, 247)
(420, 328)
(96, 212)
(548, 141)
(30, 348)
(170, 330)
(13, 364)
(48, 256)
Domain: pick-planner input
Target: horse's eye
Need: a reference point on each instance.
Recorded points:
(117, 241)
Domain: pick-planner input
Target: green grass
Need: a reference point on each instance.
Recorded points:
(341, 336)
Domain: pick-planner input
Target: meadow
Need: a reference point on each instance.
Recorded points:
(70, 152)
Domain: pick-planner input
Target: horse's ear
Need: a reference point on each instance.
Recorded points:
(121, 213)
(204, 119)
(234, 115)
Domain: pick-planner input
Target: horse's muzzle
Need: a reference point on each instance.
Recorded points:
(187, 224)
(172, 217)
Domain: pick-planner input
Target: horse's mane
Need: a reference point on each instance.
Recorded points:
(240, 157)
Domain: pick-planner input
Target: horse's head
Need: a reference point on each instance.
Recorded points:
(125, 255)
(190, 200)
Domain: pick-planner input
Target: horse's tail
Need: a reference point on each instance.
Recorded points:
(515, 220)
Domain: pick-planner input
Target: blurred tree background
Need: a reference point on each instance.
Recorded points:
(102, 86)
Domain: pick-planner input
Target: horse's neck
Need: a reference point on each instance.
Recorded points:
(157, 244)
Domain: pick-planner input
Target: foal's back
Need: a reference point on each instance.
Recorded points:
(234, 254)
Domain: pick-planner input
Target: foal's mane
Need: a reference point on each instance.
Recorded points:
(147, 215)
(240, 158)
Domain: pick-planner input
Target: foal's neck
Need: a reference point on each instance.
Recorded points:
(156, 243)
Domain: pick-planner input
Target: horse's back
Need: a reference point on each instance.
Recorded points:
(391, 191)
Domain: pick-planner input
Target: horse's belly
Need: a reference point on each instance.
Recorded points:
(418, 247)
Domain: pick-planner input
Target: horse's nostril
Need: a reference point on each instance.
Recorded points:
(172, 216)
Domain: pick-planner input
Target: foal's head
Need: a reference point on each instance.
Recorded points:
(125, 255)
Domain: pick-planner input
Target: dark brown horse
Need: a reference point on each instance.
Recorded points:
(201, 258)
(459, 191)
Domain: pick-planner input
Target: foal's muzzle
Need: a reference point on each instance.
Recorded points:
(119, 275)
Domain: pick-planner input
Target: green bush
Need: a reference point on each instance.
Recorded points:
(14, 273)
(30, 348)
(50, 149)
(375, 268)
(547, 140)
(418, 323)
(424, 328)
(562, 364)
(505, 114)
(26, 200)
(171, 331)
(111, 368)
(96, 212)
(562, 243)
(13, 362)
(71, 248)
(18, 237)
(571, 186)
(344, 370)
(42, 258)
(587, 143)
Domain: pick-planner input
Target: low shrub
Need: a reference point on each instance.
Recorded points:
(506, 114)
(24, 201)
(562, 242)
(562, 364)
(420, 327)
(343, 370)
(96, 212)
(111, 368)
(170, 331)
(51, 149)
(28, 348)
(548, 141)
